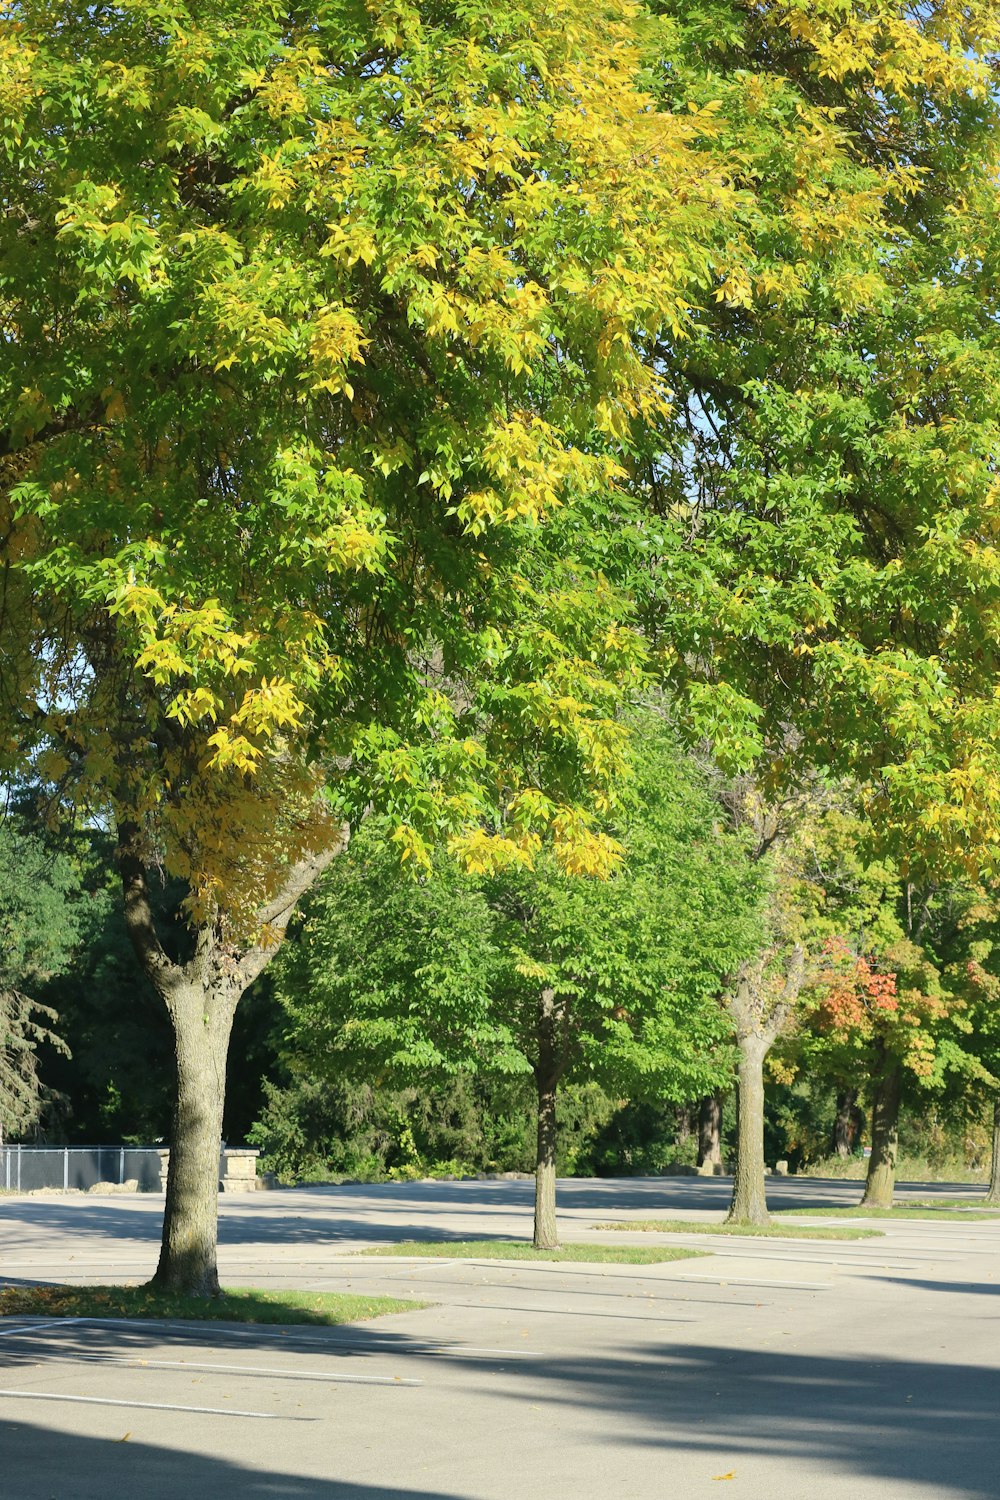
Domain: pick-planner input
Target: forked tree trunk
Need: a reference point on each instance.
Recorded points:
(749, 1205)
(201, 996)
(758, 1014)
(710, 1131)
(547, 1071)
(202, 1027)
(993, 1192)
(881, 1178)
(846, 1122)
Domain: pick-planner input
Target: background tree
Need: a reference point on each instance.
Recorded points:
(825, 483)
(532, 972)
(887, 1016)
(39, 929)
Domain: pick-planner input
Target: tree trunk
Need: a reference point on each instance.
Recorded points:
(202, 1027)
(749, 1205)
(846, 1122)
(993, 1193)
(201, 996)
(546, 1235)
(710, 1131)
(885, 1140)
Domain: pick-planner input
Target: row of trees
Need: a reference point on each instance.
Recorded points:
(734, 933)
(391, 396)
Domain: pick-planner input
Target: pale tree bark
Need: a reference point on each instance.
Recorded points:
(749, 1202)
(759, 1011)
(548, 1071)
(201, 995)
(710, 1131)
(993, 1192)
(881, 1180)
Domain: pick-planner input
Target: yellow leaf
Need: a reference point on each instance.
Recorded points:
(115, 409)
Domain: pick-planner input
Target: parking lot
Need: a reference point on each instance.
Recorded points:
(786, 1369)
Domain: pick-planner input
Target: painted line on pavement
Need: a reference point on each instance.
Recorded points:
(332, 1340)
(798, 1286)
(208, 1411)
(29, 1328)
(183, 1364)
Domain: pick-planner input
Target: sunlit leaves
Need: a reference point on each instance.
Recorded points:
(315, 329)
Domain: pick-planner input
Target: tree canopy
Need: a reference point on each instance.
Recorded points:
(38, 931)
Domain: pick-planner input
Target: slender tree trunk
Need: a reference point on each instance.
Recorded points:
(202, 1027)
(710, 1131)
(749, 1205)
(546, 1235)
(845, 1124)
(993, 1193)
(885, 1140)
(547, 1080)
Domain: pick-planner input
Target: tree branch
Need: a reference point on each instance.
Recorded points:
(277, 914)
(140, 923)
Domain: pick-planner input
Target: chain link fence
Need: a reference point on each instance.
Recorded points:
(24, 1168)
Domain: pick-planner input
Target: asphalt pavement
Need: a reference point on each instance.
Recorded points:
(865, 1370)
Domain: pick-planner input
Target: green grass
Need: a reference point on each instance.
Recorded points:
(771, 1231)
(901, 1211)
(238, 1305)
(634, 1255)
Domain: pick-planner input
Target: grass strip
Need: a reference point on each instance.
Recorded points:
(237, 1305)
(899, 1211)
(753, 1231)
(633, 1255)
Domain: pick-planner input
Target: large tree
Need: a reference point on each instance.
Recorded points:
(529, 971)
(831, 456)
(320, 328)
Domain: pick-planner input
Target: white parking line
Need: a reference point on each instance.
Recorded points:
(798, 1286)
(184, 1364)
(332, 1339)
(208, 1411)
(9, 1333)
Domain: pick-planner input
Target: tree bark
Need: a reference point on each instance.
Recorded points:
(847, 1122)
(881, 1178)
(202, 1027)
(759, 1012)
(749, 1205)
(201, 996)
(546, 1236)
(993, 1192)
(710, 1131)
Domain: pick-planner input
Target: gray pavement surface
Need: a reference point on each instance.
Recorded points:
(865, 1370)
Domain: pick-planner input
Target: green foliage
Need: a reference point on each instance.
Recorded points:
(316, 322)
(825, 482)
(391, 978)
(318, 1129)
(890, 981)
(39, 928)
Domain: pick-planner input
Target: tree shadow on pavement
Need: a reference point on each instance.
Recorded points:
(967, 1288)
(41, 1464)
(383, 1212)
(897, 1421)
(885, 1421)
